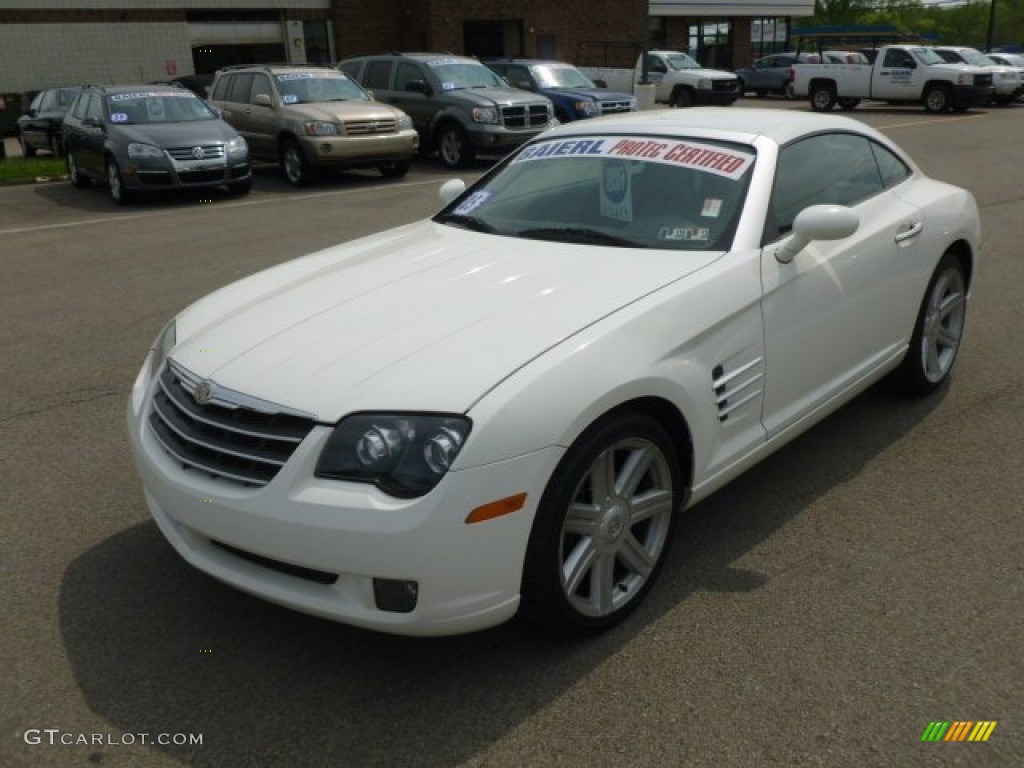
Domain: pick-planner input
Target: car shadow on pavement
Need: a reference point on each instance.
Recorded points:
(157, 647)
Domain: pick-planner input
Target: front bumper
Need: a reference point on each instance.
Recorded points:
(321, 544)
(966, 96)
(498, 138)
(364, 150)
(174, 175)
(715, 98)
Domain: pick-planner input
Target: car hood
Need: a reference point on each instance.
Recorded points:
(426, 317)
(491, 96)
(333, 111)
(597, 94)
(712, 73)
(175, 134)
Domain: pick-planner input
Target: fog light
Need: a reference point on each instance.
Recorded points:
(395, 595)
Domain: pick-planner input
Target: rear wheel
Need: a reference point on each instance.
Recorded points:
(74, 172)
(603, 525)
(938, 331)
(394, 170)
(822, 97)
(682, 98)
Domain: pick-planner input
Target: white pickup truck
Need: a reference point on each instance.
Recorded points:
(901, 74)
(678, 79)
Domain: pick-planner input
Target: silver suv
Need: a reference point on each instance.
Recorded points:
(459, 106)
(312, 118)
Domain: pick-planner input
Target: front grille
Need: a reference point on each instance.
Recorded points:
(154, 177)
(369, 127)
(223, 438)
(531, 116)
(210, 152)
(612, 107)
(201, 177)
(725, 85)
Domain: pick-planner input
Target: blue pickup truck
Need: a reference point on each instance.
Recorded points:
(574, 95)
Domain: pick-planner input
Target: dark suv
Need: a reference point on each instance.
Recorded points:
(459, 106)
(574, 95)
(39, 127)
(151, 137)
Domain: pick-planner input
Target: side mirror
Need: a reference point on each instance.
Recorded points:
(262, 100)
(418, 86)
(818, 222)
(451, 189)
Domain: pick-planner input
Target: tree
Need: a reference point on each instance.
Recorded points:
(836, 12)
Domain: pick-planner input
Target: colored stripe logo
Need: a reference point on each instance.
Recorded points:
(958, 730)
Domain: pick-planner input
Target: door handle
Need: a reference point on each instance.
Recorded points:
(910, 232)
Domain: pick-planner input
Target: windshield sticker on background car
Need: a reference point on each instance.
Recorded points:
(290, 98)
(473, 202)
(131, 96)
(118, 117)
(703, 157)
(685, 234)
(712, 207)
(448, 86)
(441, 62)
(616, 201)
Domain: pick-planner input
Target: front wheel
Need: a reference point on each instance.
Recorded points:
(75, 176)
(294, 165)
(938, 98)
(454, 148)
(938, 331)
(603, 525)
(822, 97)
(682, 98)
(118, 192)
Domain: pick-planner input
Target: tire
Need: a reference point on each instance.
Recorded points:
(682, 98)
(294, 166)
(118, 192)
(240, 187)
(938, 331)
(78, 181)
(596, 548)
(56, 145)
(848, 105)
(453, 147)
(938, 99)
(394, 170)
(822, 97)
(27, 150)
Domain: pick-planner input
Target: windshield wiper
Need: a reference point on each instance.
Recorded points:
(579, 235)
(466, 222)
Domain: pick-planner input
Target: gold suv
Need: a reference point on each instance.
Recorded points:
(311, 118)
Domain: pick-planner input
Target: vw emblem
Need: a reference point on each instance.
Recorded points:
(198, 153)
(203, 393)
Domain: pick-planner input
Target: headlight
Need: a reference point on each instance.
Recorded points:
(137, 151)
(404, 123)
(485, 115)
(403, 454)
(632, 105)
(963, 79)
(703, 84)
(161, 348)
(237, 146)
(320, 128)
(588, 108)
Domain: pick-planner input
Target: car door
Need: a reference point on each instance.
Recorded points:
(838, 311)
(33, 124)
(91, 134)
(418, 105)
(231, 97)
(262, 120)
(898, 77)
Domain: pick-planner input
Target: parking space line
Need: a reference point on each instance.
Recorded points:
(276, 199)
(933, 121)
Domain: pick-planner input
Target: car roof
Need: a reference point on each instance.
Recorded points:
(738, 124)
(142, 88)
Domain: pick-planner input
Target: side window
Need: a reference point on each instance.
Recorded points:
(833, 168)
(220, 88)
(518, 76)
(49, 101)
(37, 102)
(78, 108)
(378, 76)
(94, 108)
(405, 73)
(351, 68)
(239, 88)
(893, 170)
(894, 57)
(260, 85)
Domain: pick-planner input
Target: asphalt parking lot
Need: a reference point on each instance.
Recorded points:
(820, 611)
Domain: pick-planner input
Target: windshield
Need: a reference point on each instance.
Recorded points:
(560, 77)
(147, 107)
(312, 87)
(927, 56)
(681, 61)
(623, 191)
(976, 58)
(455, 74)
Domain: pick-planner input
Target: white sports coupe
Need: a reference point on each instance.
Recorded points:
(502, 408)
